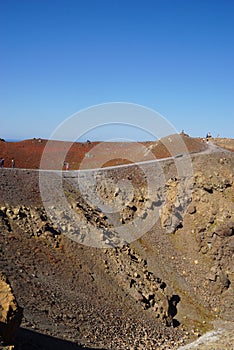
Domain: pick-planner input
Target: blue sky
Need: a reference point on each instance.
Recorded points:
(60, 56)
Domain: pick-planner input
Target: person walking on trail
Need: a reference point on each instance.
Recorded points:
(67, 166)
(12, 163)
(1, 162)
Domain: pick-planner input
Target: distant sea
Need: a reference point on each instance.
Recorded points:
(12, 140)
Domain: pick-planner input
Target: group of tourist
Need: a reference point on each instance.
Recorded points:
(2, 160)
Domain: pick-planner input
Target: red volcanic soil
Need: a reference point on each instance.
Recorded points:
(28, 154)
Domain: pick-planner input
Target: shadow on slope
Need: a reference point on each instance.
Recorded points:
(31, 340)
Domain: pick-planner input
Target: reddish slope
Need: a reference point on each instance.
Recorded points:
(28, 153)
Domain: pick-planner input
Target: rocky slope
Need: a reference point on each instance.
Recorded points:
(10, 313)
(83, 279)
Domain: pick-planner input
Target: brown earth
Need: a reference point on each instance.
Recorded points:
(225, 143)
(161, 290)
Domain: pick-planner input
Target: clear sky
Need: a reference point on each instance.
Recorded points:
(60, 56)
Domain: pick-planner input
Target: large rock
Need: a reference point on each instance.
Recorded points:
(225, 229)
(10, 312)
